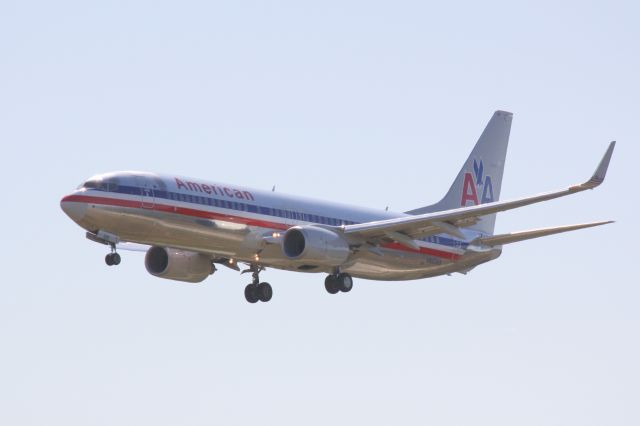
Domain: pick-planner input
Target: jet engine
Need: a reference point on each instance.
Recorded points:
(179, 265)
(315, 246)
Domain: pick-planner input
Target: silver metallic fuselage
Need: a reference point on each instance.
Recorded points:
(227, 221)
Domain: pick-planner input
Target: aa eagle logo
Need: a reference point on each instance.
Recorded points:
(476, 183)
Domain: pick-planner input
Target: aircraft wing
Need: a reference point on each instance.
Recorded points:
(514, 237)
(404, 229)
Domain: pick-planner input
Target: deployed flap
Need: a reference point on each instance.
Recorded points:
(513, 237)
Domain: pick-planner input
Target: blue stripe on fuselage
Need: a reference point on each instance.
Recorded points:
(263, 210)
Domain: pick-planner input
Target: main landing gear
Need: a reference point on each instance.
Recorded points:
(112, 258)
(257, 291)
(338, 282)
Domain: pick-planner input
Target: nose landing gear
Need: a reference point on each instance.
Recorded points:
(113, 258)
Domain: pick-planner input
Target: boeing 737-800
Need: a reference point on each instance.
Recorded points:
(190, 225)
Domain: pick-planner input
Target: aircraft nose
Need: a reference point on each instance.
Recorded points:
(74, 209)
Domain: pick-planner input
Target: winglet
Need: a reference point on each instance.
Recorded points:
(601, 171)
(599, 174)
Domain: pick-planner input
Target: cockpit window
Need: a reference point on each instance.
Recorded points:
(92, 184)
(109, 184)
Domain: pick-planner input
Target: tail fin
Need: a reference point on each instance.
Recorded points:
(480, 178)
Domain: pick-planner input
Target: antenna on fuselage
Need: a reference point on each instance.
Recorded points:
(386, 209)
(273, 189)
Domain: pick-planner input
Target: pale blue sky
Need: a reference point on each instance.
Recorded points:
(372, 103)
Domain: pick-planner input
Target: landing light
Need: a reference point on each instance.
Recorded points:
(276, 235)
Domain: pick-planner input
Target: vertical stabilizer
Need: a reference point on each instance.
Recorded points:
(480, 179)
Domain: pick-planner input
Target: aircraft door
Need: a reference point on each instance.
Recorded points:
(147, 197)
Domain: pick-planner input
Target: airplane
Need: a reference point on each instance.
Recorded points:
(188, 226)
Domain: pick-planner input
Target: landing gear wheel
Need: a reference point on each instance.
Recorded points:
(257, 291)
(251, 293)
(340, 282)
(345, 283)
(331, 284)
(112, 258)
(265, 292)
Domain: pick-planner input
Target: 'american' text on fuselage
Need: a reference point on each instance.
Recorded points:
(213, 189)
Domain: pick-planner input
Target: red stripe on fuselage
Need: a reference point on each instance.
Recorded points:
(229, 218)
(174, 209)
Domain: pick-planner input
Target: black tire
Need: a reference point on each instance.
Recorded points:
(345, 283)
(108, 259)
(331, 284)
(115, 258)
(251, 293)
(265, 292)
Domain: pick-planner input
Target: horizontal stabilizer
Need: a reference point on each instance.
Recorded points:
(514, 237)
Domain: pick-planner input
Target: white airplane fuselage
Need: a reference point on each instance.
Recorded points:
(232, 222)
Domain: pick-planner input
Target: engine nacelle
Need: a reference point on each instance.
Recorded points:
(315, 246)
(179, 265)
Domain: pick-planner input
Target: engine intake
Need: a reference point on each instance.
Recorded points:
(314, 245)
(176, 264)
